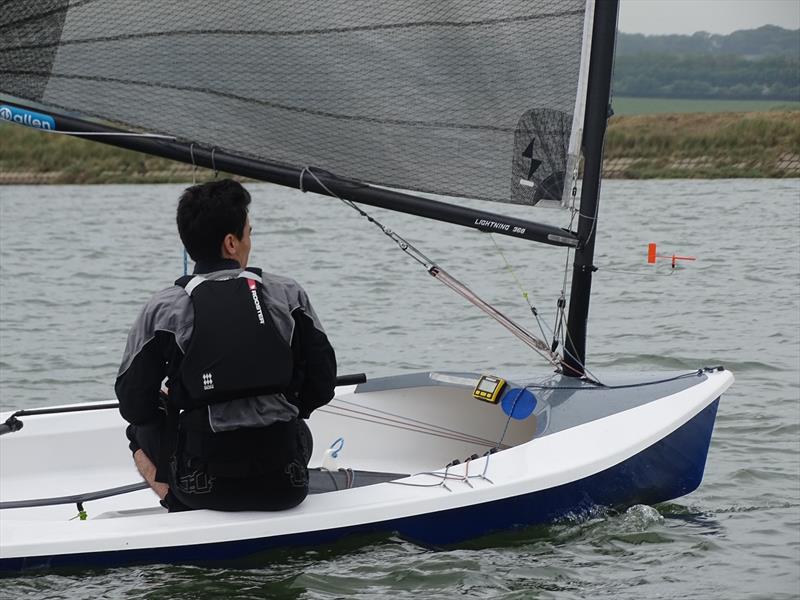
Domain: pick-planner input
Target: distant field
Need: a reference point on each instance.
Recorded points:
(649, 106)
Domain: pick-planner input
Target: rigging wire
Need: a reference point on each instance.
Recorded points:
(444, 277)
(214, 164)
(194, 182)
(434, 430)
(560, 332)
(444, 477)
(440, 274)
(565, 346)
(423, 423)
(558, 323)
(594, 387)
(194, 164)
(525, 295)
(560, 317)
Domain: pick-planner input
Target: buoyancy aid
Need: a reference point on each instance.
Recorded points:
(235, 349)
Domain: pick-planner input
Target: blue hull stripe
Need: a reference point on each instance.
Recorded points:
(668, 469)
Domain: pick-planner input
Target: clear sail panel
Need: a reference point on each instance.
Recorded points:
(478, 99)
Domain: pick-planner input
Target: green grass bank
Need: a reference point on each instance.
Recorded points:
(704, 145)
(669, 145)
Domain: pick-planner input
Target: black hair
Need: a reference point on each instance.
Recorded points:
(207, 212)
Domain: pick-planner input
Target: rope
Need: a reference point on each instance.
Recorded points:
(593, 219)
(564, 345)
(521, 333)
(446, 433)
(510, 412)
(595, 386)
(411, 421)
(213, 164)
(444, 477)
(513, 273)
(560, 317)
(466, 477)
(432, 431)
(440, 274)
(194, 182)
(194, 164)
(534, 312)
(560, 332)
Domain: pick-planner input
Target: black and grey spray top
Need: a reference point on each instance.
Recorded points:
(162, 335)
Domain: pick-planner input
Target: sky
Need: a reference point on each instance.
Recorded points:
(658, 17)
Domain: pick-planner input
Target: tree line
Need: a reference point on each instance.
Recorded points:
(704, 76)
(768, 40)
(761, 63)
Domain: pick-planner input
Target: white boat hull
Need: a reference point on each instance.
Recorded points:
(581, 448)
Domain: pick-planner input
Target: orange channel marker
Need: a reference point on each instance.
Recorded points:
(652, 256)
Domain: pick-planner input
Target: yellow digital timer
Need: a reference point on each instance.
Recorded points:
(489, 388)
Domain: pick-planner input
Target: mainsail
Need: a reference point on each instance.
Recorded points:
(463, 99)
(357, 100)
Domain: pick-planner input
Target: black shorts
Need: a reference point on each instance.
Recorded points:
(276, 480)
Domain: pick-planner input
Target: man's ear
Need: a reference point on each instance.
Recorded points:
(229, 246)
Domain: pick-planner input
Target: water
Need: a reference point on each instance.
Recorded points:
(77, 263)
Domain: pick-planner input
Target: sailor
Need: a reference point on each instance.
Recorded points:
(244, 360)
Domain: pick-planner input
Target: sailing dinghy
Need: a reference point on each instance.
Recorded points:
(497, 101)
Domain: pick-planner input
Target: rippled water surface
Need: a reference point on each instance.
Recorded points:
(77, 263)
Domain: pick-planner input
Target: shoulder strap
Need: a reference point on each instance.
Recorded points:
(251, 273)
(189, 282)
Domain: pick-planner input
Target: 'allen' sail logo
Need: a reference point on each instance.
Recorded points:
(26, 117)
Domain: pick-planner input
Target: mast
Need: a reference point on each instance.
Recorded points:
(309, 179)
(601, 64)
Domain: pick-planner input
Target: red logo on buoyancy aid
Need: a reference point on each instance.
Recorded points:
(254, 293)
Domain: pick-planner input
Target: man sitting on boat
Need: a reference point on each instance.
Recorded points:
(245, 358)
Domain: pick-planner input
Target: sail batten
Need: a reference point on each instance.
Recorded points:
(468, 99)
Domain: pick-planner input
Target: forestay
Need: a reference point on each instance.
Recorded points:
(479, 99)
